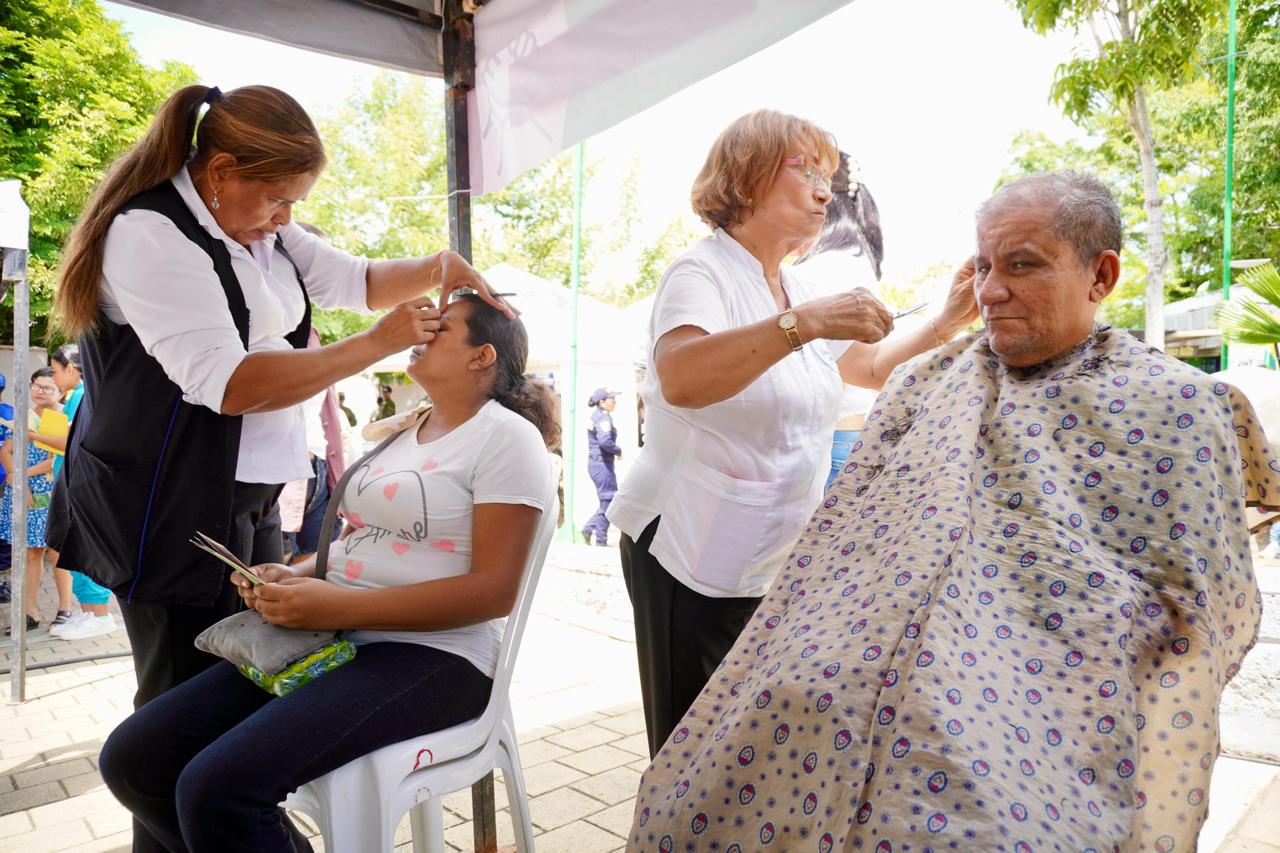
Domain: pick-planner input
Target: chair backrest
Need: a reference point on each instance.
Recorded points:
(524, 599)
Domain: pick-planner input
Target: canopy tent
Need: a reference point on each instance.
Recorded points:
(544, 73)
(528, 78)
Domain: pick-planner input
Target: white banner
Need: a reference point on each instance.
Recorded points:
(550, 73)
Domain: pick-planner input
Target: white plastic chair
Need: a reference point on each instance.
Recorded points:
(357, 806)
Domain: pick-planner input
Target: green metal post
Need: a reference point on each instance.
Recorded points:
(1231, 139)
(571, 436)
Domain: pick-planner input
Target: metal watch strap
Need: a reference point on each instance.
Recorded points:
(793, 334)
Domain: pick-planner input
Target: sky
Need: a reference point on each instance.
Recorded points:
(927, 96)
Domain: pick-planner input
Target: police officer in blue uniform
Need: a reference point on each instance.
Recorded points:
(602, 449)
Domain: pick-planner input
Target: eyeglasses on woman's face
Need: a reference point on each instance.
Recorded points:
(809, 172)
(44, 388)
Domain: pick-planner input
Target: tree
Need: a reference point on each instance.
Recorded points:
(532, 219)
(73, 95)
(652, 261)
(383, 194)
(1141, 45)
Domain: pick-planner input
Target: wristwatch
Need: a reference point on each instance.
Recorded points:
(787, 323)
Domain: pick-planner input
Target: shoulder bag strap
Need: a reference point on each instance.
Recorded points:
(335, 500)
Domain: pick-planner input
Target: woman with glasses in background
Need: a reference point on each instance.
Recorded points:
(45, 394)
(742, 394)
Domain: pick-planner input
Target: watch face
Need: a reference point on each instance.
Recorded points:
(787, 321)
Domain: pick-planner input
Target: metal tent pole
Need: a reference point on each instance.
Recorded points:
(458, 56)
(571, 441)
(15, 273)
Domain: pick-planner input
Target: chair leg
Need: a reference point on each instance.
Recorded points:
(426, 824)
(349, 820)
(517, 797)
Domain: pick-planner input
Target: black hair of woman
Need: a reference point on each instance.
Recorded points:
(67, 356)
(41, 373)
(853, 220)
(511, 388)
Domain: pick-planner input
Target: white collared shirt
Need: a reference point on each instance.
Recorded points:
(736, 481)
(165, 287)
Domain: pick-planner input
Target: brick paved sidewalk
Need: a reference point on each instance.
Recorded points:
(581, 731)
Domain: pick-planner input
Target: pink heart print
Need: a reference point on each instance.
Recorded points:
(390, 491)
(400, 548)
(354, 519)
(429, 465)
(353, 569)
(444, 545)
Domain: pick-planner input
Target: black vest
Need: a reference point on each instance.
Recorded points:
(144, 469)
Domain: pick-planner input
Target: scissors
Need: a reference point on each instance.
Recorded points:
(910, 311)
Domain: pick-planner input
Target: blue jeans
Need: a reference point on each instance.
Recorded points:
(307, 539)
(1275, 533)
(841, 446)
(203, 766)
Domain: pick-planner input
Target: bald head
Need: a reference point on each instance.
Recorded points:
(1085, 214)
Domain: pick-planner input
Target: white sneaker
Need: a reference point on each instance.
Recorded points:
(76, 618)
(94, 626)
(1271, 552)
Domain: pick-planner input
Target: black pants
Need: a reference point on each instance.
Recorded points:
(681, 635)
(205, 766)
(163, 635)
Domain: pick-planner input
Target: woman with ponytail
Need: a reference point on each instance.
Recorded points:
(190, 289)
(440, 522)
(847, 255)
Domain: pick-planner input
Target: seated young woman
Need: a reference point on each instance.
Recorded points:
(439, 527)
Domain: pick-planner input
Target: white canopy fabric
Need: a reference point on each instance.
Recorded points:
(14, 216)
(549, 73)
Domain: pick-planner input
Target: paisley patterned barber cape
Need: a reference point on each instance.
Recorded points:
(1008, 627)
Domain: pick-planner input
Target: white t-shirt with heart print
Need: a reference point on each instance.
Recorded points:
(412, 506)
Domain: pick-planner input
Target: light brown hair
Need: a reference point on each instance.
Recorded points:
(267, 131)
(745, 159)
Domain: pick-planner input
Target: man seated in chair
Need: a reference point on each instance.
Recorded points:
(1010, 624)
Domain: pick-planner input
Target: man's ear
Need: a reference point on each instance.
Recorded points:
(1106, 274)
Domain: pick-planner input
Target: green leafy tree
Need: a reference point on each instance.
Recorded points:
(383, 194)
(1141, 45)
(531, 221)
(653, 259)
(73, 95)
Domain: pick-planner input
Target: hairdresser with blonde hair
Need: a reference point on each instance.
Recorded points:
(190, 289)
(741, 398)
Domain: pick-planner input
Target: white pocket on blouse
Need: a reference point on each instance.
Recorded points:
(728, 523)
